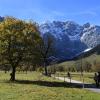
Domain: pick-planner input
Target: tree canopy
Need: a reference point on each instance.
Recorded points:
(16, 38)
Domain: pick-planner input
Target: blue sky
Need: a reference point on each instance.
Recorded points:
(80, 11)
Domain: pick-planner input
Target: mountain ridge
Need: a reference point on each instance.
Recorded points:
(71, 38)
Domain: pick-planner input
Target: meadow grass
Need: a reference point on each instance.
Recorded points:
(35, 86)
(88, 77)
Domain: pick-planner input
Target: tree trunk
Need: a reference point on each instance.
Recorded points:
(13, 74)
(46, 72)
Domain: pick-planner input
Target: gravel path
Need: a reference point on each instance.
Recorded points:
(87, 86)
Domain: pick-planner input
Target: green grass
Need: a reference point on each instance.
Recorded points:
(88, 77)
(34, 86)
(93, 60)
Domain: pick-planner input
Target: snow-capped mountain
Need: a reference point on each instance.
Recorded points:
(58, 29)
(91, 36)
(70, 37)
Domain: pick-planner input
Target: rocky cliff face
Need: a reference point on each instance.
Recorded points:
(71, 38)
(91, 36)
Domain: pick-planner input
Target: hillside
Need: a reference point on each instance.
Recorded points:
(92, 61)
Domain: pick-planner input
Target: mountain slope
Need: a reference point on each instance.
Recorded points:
(91, 36)
(70, 38)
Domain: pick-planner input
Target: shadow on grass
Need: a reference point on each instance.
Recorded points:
(54, 84)
(45, 83)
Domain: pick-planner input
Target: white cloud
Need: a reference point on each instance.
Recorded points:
(63, 14)
(57, 13)
(92, 13)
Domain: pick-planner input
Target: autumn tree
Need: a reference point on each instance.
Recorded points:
(15, 41)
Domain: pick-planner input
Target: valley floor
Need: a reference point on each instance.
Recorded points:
(35, 86)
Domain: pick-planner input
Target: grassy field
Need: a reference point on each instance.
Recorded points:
(34, 86)
(88, 77)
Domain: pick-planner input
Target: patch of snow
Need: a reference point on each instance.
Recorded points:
(86, 50)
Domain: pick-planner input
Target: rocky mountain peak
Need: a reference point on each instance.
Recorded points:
(70, 37)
